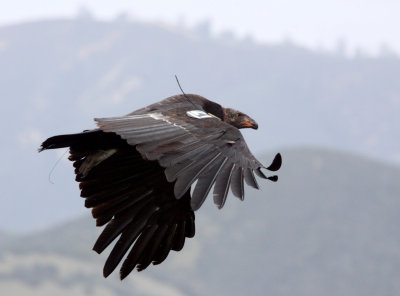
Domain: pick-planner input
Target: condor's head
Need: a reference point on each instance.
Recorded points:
(239, 119)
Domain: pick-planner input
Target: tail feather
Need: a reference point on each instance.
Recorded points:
(84, 141)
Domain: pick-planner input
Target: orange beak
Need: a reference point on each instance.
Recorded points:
(249, 123)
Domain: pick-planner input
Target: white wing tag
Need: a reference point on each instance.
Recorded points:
(198, 114)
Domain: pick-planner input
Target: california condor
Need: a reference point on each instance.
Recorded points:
(136, 173)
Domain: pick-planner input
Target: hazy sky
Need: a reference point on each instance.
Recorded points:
(366, 24)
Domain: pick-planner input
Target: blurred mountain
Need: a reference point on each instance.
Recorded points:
(57, 75)
(74, 70)
(328, 227)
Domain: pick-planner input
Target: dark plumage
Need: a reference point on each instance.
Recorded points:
(136, 172)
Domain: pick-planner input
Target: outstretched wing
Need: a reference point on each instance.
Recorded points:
(129, 195)
(192, 148)
(132, 197)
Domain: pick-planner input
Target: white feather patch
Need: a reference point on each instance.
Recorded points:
(94, 159)
(199, 114)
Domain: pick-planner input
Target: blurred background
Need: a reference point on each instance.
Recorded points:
(320, 77)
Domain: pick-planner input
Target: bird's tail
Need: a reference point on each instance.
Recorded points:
(84, 141)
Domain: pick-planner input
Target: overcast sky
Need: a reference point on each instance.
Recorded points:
(365, 24)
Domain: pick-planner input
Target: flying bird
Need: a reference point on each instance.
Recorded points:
(136, 172)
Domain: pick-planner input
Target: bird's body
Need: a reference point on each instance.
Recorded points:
(136, 173)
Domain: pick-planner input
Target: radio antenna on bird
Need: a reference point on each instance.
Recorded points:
(177, 81)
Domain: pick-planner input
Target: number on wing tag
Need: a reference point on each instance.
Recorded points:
(198, 114)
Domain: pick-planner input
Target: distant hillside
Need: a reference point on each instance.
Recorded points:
(73, 70)
(328, 227)
(57, 75)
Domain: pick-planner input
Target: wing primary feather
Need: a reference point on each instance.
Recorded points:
(112, 230)
(173, 172)
(127, 238)
(152, 248)
(137, 250)
(260, 173)
(166, 244)
(117, 225)
(276, 163)
(273, 178)
(237, 183)
(101, 221)
(186, 177)
(250, 178)
(205, 182)
(190, 227)
(222, 185)
(179, 239)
